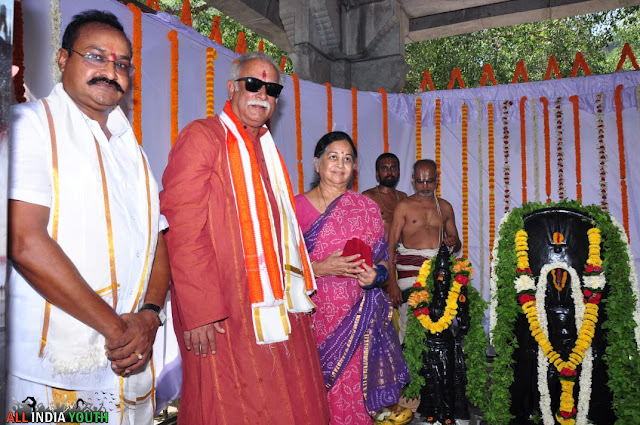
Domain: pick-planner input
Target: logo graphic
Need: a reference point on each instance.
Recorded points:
(30, 411)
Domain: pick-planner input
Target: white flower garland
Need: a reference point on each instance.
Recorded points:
(56, 20)
(536, 150)
(584, 392)
(602, 152)
(493, 281)
(481, 196)
(633, 278)
(559, 148)
(506, 147)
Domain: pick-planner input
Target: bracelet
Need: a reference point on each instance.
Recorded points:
(382, 274)
(313, 271)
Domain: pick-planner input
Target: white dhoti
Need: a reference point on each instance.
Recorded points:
(408, 262)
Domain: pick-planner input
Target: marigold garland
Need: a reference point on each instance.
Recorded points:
(580, 63)
(354, 127)
(215, 34)
(521, 71)
(492, 174)
(487, 72)
(385, 121)
(241, 44)
(185, 14)
(296, 96)
(418, 129)
(329, 107)
(560, 147)
(536, 150)
(594, 282)
(456, 75)
(506, 149)
(426, 79)
(212, 55)
(575, 100)
(465, 180)
(552, 67)
(602, 152)
(18, 52)
(175, 58)
(627, 52)
(261, 46)
(283, 63)
(136, 44)
(621, 156)
(438, 149)
(154, 4)
(523, 147)
(547, 149)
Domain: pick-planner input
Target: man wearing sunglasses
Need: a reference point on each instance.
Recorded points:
(241, 275)
(90, 267)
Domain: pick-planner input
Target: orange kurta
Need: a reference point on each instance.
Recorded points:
(243, 383)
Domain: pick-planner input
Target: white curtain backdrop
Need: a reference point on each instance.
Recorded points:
(156, 64)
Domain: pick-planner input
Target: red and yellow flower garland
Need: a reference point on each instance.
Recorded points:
(418, 129)
(506, 148)
(524, 285)
(419, 299)
(523, 147)
(296, 96)
(212, 55)
(136, 44)
(575, 100)
(560, 147)
(492, 174)
(175, 58)
(438, 122)
(465, 181)
(621, 156)
(547, 148)
(602, 153)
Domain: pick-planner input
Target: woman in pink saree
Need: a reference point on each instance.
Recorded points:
(360, 353)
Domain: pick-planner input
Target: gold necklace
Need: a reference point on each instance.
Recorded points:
(390, 210)
(323, 200)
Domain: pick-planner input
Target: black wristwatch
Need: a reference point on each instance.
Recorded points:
(157, 310)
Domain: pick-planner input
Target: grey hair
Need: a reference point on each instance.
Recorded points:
(242, 60)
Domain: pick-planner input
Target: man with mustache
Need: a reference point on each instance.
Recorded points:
(421, 224)
(385, 194)
(90, 269)
(240, 271)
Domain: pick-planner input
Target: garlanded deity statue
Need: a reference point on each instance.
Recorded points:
(440, 296)
(550, 317)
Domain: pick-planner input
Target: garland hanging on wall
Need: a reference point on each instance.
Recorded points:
(602, 152)
(385, 121)
(560, 147)
(492, 174)
(438, 147)
(622, 161)
(465, 181)
(523, 147)
(136, 44)
(418, 128)
(175, 58)
(622, 311)
(212, 55)
(329, 107)
(296, 96)
(56, 22)
(547, 148)
(354, 127)
(536, 150)
(481, 241)
(575, 100)
(506, 150)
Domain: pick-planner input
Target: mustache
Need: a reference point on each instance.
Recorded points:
(256, 102)
(105, 80)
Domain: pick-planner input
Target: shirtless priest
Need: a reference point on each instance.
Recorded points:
(421, 224)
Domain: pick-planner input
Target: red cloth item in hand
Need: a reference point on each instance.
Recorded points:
(357, 246)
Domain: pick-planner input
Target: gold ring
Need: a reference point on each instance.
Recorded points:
(139, 355)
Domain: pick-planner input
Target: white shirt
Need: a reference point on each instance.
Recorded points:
(30, 178)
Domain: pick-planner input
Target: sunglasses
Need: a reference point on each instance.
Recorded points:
(254, 85)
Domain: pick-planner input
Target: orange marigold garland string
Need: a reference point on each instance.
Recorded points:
(560, 147)
(627, 53)
(216, 34)
(418, 129)
(154, 4)
(175, 58)
(547, 149)
(487, 72)
(18, 52)
(576, 132)
(438, 119)
(552, 67)
(283, 63)
(523, 147)
(602, 153)
(456, 75)
(623, 166)
(426, 80)
(385, 121)
(521, 70)
(212, 55)
(296, 96)
(506, 148)
(261, 46)
(136, 44)
(492, 175)
(241, 45)
(329, 107)
(354, 127)
(580, 63)
(185, 14)
(465, 181)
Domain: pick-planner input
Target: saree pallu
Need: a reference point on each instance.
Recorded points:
(360, 353)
